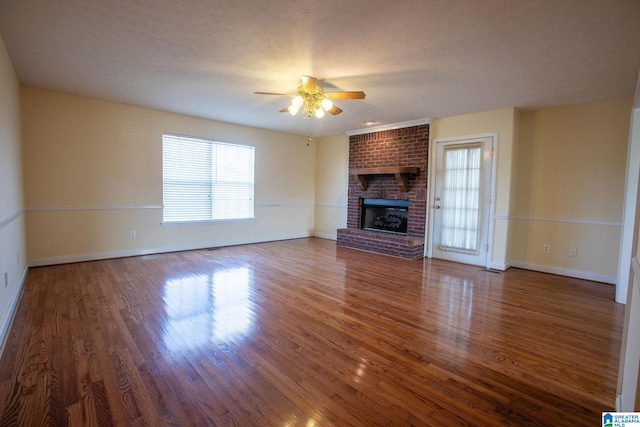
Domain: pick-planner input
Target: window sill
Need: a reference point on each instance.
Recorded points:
(204, 222)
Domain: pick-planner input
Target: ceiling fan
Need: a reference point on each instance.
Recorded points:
(312, 99)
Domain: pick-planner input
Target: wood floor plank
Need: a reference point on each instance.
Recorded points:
(304, 333)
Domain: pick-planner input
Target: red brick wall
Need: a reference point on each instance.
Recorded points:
(398, 147)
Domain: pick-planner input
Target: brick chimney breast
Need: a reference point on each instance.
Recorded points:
(404, 147)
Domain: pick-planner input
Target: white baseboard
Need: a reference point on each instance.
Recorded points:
(578, 274)
(7, 321)
(499, 266)
(325, 236)
(38, 262)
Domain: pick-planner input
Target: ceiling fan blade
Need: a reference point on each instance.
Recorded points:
(310, 84)
(334, 110)
(284, 110)
(346, 95)
(272, 93)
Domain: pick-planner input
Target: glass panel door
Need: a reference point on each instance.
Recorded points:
(462, 200)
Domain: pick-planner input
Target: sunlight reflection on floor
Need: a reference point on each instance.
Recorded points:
(203, 307)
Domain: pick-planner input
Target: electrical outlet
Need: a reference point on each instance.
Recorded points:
(546, 248)
(132, 234)
(6, 279)
(573, 252)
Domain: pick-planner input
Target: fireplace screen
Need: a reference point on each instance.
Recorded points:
(388, 215)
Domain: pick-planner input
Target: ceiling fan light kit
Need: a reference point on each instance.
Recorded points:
(313, 100)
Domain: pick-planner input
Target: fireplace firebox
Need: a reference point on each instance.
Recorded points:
(384, 215)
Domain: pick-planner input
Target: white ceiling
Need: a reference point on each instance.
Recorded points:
(414, 59)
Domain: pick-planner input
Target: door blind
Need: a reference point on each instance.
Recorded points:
(461, 198)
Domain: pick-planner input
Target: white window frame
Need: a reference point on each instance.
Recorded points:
(206, 180)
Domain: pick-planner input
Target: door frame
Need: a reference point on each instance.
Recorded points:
(428, 248)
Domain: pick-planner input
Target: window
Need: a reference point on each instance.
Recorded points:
(206, 180)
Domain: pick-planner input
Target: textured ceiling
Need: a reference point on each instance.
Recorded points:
(414, 59)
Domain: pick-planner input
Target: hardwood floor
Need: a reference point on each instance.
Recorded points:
(304, 333)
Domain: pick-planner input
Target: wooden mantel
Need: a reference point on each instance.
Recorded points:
(401, 174)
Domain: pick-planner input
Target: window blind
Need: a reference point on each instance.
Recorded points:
(206, 180)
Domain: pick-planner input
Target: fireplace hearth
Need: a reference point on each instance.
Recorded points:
(384, 215)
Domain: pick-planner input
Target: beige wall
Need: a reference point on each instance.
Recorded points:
(93, 172)
(569, 155)
(570, 188)
(332, 181)
(12, 244)
(502, 122)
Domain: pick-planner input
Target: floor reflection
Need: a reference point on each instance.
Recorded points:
(232, 312)
(460, 301)
(457, 311)
(202, 307)
(187, 305)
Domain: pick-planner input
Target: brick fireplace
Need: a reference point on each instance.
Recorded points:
(388, 165)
